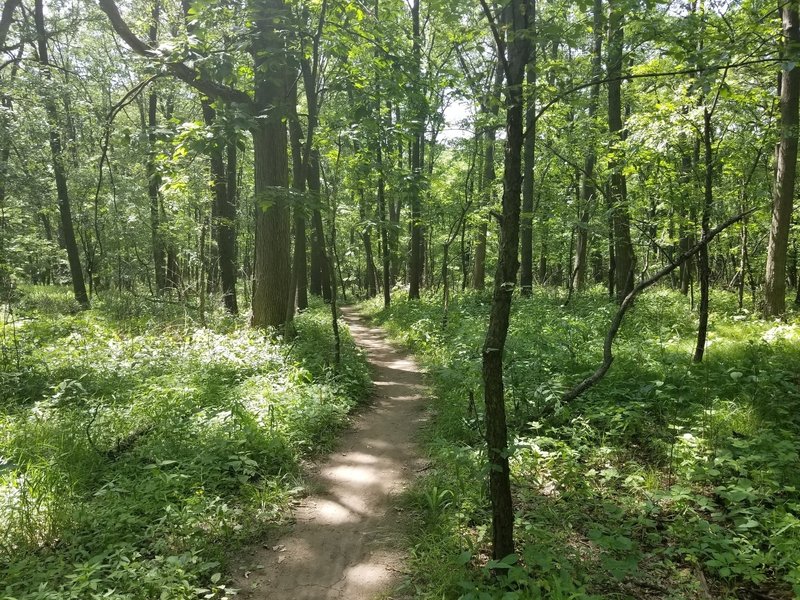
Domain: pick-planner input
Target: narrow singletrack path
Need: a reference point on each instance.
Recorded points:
(346, 543)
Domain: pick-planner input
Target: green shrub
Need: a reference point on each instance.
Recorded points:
(134, 459)
(662, 471)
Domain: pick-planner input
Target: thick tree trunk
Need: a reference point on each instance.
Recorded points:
(272, 261)
(272, 277)
(783, 193)
(624, 259)
(5, 19)
(59, 173)
(504, 283)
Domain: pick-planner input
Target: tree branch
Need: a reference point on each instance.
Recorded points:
(616, 322)
(626, 76)
(212, 89)
(5, 19)
(498, 39)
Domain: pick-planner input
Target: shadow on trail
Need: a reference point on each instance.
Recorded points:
(344, 542)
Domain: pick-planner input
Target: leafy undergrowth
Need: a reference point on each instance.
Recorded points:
(138, 449)
(666, 480)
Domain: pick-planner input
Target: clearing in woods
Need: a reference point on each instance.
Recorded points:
(345, 540)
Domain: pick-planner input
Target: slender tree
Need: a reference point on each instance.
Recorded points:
(514, 56)
(153, 178)
(783, 190)
(624, 259)
(416, 261)
(588, 187)
(57, 153)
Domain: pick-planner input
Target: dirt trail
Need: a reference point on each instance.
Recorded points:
(344, 544)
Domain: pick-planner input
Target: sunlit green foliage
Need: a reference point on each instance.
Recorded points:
(667, 478)
(137, 448)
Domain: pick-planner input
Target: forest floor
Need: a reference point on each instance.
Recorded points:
(344, 543)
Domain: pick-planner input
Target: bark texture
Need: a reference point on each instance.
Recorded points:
(59, 170)
(272, 279)
(514, 63)
(624, 259)
(416, 265)
(782, 200)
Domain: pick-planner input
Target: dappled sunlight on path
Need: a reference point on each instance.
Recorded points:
(346, 543)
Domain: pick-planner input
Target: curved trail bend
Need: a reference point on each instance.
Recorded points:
(344, 544)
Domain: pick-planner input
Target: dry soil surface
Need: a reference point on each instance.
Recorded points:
(346, 541)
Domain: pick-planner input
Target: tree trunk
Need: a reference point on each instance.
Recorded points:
(153, 185)
(385, 253)
(153, 178)
(479, 256)
(381, 191)
(395, 207)
(588, 189)
(415, 264)
(226, 232)
(491, 106)
(366, 238)
(5, 19)
(300, 262)
(782, 197)
(543, 259)
(223, 179)
(623, 248)
(64, 209)
(321, 275)
(704, 272)
(272, 277)
(504, 283)
(5, 152)
(529, 157)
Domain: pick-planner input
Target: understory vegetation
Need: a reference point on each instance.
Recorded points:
(667, 480)
(139, 449)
